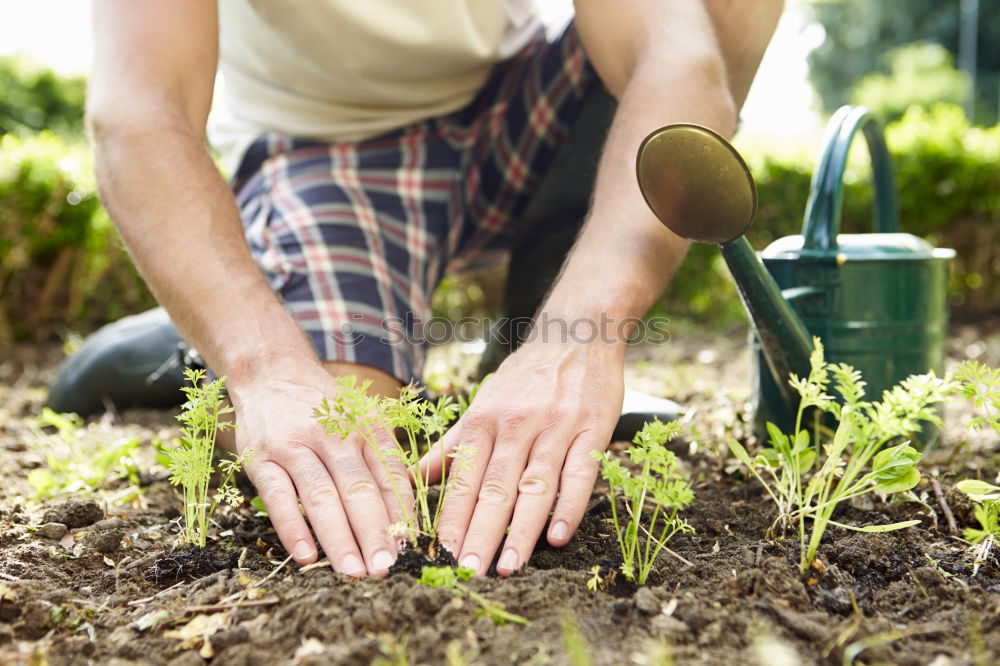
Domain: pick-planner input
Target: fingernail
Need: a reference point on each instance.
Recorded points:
(470, 562)
(508, 561)
(383, 559)
(559, 530)
(302, 551)
(353, 566)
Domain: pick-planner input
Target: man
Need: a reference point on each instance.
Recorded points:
(376, 145)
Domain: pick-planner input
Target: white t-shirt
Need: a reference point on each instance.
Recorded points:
(340, 70)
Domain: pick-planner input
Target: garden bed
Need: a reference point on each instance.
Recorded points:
(116, 591)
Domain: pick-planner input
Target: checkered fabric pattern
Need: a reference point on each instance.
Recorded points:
(354, 237)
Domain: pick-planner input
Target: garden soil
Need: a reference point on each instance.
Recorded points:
(115, 589)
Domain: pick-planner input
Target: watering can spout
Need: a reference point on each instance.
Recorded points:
(698, 185)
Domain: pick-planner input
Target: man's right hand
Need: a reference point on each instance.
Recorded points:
(344, 489)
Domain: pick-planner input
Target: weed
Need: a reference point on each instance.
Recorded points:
(454, 579)
(857, 443)
(659, 481)
(73, 464)
(354, 411)
(987, 512)
(190, 460)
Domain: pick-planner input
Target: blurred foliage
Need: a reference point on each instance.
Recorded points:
(921, 74)
(61, 262)
(34, 99)
(860, 32)
(948, 184)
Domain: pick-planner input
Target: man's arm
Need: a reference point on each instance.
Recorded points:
(149, 97)
(554, 401)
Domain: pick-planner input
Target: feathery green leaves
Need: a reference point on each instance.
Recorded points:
(657, 481)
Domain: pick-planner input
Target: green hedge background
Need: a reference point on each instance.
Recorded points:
(63, 269)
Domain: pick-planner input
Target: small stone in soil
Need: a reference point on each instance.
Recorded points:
(646, 601)
(54, 531)
(74, 513)
(106, 541)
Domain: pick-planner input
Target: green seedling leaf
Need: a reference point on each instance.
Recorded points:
(979, 490)
(739, 452)
(891, 527)
(259, 507)
(899, 481)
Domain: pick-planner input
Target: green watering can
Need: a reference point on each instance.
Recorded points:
(878, 301)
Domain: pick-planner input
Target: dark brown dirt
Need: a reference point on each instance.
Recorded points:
(724, 595)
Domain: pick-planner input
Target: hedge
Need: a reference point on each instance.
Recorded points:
(62, 266)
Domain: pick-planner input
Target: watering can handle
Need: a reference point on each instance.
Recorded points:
(826, 193)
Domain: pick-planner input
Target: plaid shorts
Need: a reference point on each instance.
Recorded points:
(354, 237)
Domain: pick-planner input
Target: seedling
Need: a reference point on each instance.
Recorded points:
(843, 473)
(659, 482)
(353, 411)
(987, 512)
(421, 421)
(981, 384)
(191, 459)
(454, 579)
(75, 465)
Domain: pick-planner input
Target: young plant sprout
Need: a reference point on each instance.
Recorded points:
(987, 512)
(421, 421)
(353, 411)
(981, 385)
(191, 460)
(453, 579)
(657, 481)
(853, 462)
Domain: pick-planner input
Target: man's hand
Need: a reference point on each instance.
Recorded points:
(534, 424)
(529, 434)
(148, 101)
(344, 489)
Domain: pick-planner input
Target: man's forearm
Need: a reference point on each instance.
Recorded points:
(181, 225)
(625, 256)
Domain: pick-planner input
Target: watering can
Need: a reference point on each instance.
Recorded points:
(878, 301)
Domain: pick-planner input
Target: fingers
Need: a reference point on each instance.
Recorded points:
(325, 512)
(397, 480)
(579, 474)
(434, 462)
(278, 493)
(536, 493)
(478, 435)
(497, 494)
(363, 502)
